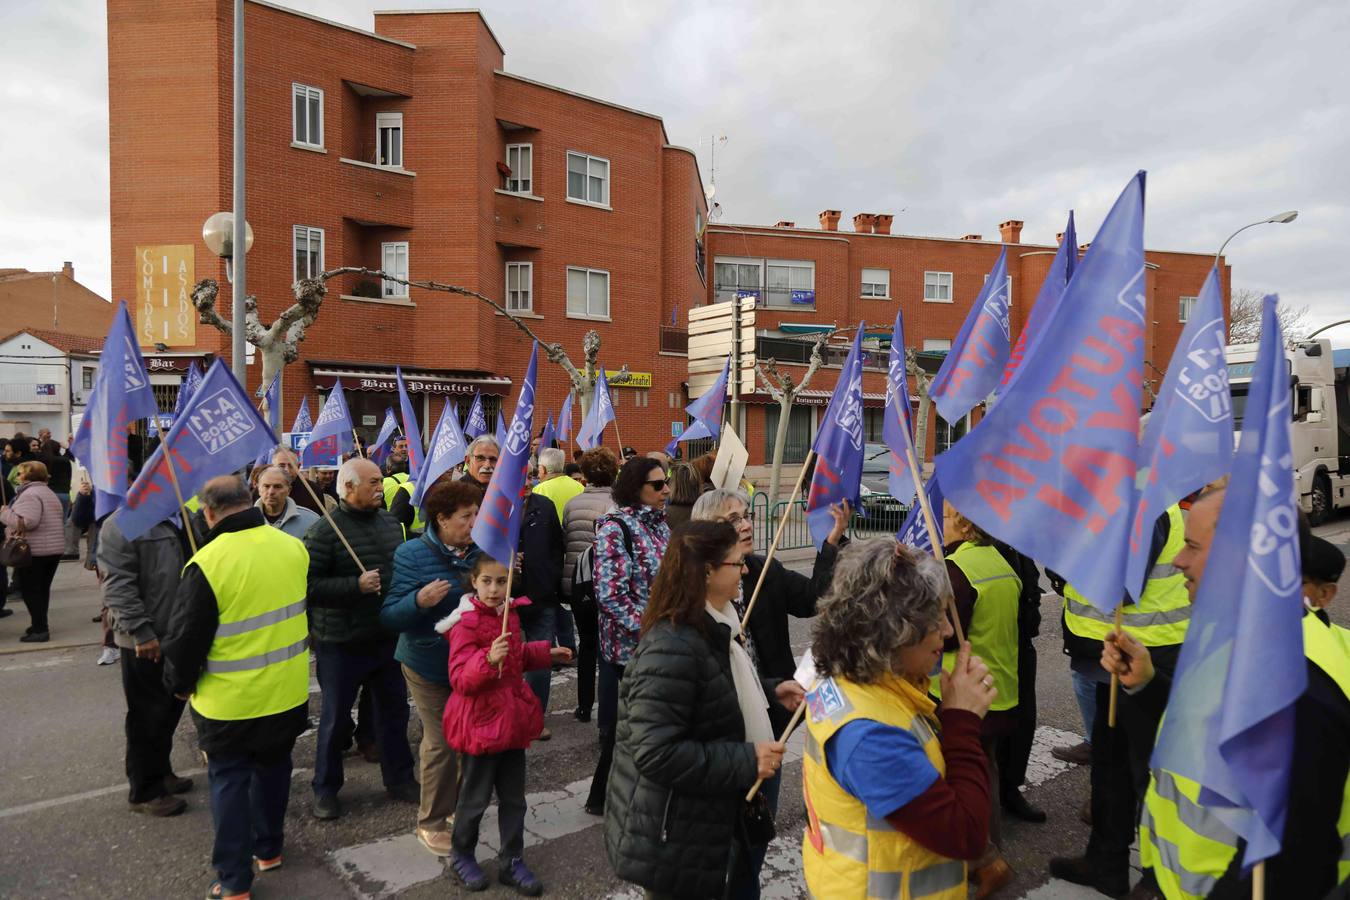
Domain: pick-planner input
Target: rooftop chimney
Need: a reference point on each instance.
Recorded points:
(972, 237)
(68, 269)
(784, 223)
(884, 223)
(863, 222)
(829, 219)
(1012, 231)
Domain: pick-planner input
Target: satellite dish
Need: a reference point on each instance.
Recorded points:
(710, 191)
(715, 212)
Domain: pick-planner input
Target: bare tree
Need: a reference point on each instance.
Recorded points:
(921, 381)
(1244, 318)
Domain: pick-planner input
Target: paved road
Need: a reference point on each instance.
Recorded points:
(66, 831)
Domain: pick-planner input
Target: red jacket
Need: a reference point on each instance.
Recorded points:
(490, 712)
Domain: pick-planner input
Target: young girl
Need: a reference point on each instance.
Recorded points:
(491, 718)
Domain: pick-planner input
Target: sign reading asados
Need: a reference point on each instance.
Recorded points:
(164, 312)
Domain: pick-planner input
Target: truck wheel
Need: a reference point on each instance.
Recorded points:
(1320, 501)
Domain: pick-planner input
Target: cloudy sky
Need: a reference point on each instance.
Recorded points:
(953, 116)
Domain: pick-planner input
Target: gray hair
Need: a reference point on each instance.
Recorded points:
(484, 439)
(884, 597)
(710, 505)
(225, 492)
(347, 477)
(552, 460)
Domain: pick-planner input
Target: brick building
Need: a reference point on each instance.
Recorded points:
(411, 149)
(54, 301)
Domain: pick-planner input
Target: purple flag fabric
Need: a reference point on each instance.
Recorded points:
(591, 434)
(380, 449)
(897, 428)
(975, 363)
(476, 423)
(218, 432)
(410, 429)
(1050, 468)
(332, 433)
(191, 382)
(838, 447)
(273, 396)
(915, 530)
(1230, 717)
(564, 427)
(706, 412)
(1047, 300)
(497, 529)
(121, 395)
(448, 447)
(501, 430)
(303, 423)
(1189, 438)
(549, 437)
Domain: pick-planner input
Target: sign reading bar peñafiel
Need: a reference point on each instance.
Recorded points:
(358, 380)
(635, 379)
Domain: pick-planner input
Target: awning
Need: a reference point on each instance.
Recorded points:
(812, 398)
(424, 381)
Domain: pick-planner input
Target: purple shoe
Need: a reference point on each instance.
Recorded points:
(466, 869)
(518, 875)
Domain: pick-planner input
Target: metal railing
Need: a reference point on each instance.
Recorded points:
(674, 340)
(796, 534)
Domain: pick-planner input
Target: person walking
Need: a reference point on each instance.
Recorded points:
(629, 543)
(140, 583)
(431, 576)
(35, 513)
(279, 507)
(236, 652)
(579, 517)
(350, 645)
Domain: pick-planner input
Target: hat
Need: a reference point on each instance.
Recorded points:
(1322, 561)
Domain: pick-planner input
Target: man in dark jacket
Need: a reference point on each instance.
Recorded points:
(349, 643)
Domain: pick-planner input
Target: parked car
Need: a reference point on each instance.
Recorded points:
(877, 509)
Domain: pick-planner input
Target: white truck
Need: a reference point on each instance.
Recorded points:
(1320, 381)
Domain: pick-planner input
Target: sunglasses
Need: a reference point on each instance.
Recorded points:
(658, 484)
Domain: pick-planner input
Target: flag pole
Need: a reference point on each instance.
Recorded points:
(1259, 881)
(359, 449)
(178, 494)
(792, 723)
(1115, 681)
(782, 523)
(323, 510)
(934, 537)
(618, 437)
(506, 612)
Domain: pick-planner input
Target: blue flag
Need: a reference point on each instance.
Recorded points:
(1047, 300)
(1230, 719)
(706, 411)
(975, 363)
(501, 430)
(410, 429)
(332, 433)
(915, 530)
(476, 423)
(448, 447)
(377, 451)
(1189, 439)
(218, 432)
(565, 420)
(897, 428)
(273, 397)
(1050, 469)
(497, 529)
(303, 423)
(191, 382)
(838, 447)
(549, 437)
(120, 396)
(591, 434)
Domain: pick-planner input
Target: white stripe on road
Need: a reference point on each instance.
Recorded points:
(98, 792)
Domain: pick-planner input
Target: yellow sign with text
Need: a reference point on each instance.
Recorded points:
(165, 275)
(634, 380)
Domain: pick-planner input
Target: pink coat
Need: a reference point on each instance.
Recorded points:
(39, 511)
(488, 712)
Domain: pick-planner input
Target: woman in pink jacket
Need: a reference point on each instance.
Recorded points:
(36, 513)
(492, 716)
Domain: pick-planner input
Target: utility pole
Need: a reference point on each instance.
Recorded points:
(239, 257)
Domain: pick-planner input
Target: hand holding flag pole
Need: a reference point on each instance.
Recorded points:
(323, 509)
(805, 675)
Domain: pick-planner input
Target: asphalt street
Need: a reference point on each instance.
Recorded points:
(66, 831)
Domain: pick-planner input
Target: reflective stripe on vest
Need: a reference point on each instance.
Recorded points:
(993, 624)
(257, 665)
(1163, 612)
(1328, 648)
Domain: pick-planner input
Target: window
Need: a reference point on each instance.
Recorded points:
(945, 435)
(587, 179)
(876, 283)
(308, 252)
(520, 287)
(798, 440)
(873, 421)
(308, 104)
(737, 276)
(789, 284)
(588, 293)
(87, 379)
(389, 140)
(937, 287)
(783, 349)
(936, 345)
(520, 160)
(395, 262)
(1187, 305)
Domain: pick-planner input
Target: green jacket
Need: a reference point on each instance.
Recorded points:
(338, 611)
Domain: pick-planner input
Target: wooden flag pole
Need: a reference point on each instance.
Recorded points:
(178, 494)
(782, 523)
(787, 732)
(1259, 881)
(323, 510)
(359, 449)
(506, 611)
(1115, 680)
(618, 437)
(934, 537)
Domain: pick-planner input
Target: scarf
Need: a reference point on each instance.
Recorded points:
(749, 692)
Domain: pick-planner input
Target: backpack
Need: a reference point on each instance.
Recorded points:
(583, 572)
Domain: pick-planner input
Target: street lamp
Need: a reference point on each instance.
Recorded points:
(1281, 219)
(221, 232)
(218, 233)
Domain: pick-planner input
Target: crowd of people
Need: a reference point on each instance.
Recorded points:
(639, 572)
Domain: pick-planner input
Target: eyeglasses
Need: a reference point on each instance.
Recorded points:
(736, 519)
(658, 484)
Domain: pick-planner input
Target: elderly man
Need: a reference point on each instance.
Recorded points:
(236, 651)
(553, 481)
(279, 507)
(481, 460)
(350, 645)
(289, 464)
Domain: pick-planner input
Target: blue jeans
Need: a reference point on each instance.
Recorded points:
(1085, 692)
(540, 623)
(342, 669)
(249, 793)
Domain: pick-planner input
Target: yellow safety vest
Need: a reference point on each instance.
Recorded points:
(1188, 847)
(257, 665)
(400, 481)
(847, 853)
(559, 489)
(993, 627)
(1162, 613)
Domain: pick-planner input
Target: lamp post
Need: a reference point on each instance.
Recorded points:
(1281, 219)
(1325, 327)
(240, 224)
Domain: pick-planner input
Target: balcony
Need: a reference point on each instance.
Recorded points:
(519, 219)
(674, 340)
(376, 195)
(33, 396)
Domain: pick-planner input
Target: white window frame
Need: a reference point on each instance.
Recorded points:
(307, 233)
(603, 202)
(1008, 284)
(521, 179)
(942, 425)
(392, 121)
(933, 345)
(937, 285)
(392, 289)
(525, 274)
(806, 265)
(311, 95)
(588, 314)
(876, 288)
(1185, 308)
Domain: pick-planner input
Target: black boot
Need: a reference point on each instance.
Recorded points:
(1015, 804)
(1089, 872)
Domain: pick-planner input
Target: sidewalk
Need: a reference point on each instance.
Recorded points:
(75, 600)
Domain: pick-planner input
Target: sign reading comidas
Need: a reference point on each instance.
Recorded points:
(164, 313)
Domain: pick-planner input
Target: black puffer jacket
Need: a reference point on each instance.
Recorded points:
(338, 610)
(681, 763)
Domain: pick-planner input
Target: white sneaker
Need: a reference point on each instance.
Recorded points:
(109, 657)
